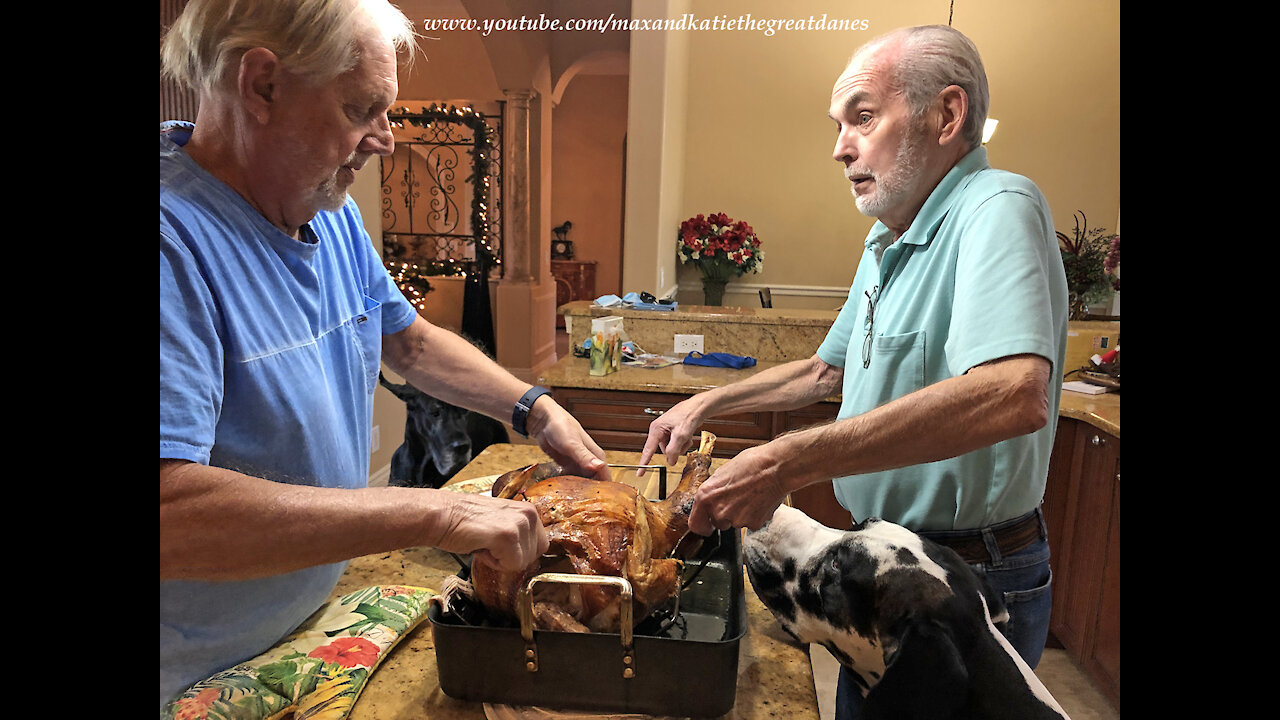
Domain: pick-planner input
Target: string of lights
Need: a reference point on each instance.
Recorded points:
(484, 142)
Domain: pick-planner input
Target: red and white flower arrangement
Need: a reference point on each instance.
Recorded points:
(720, 246)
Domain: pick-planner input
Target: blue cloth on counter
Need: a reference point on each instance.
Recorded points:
(719, 359)
(651, 306)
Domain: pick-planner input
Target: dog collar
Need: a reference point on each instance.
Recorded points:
(521, 414)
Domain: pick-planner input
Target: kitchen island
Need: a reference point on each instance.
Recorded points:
(1081, 503)
(774, 676)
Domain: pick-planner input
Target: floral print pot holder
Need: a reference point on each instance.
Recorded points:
(317, 672)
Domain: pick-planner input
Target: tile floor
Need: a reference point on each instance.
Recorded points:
(1070, 686)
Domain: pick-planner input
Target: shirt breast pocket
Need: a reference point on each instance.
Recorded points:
(366, 331)
(897, 365)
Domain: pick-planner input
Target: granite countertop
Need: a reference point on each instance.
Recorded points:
(709, 313)
(774, 675)
(574, 372)
(1101, 411)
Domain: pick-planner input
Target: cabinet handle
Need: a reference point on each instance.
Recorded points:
(1097, 440)
(651, 411)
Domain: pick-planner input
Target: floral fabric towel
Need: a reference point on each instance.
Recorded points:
(317, 672)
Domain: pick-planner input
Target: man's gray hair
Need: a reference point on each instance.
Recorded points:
(932, 57)
(316, 39)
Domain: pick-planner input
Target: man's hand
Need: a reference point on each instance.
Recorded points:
(562, 437)
(505, 534)
(672, 432)
(743, 492)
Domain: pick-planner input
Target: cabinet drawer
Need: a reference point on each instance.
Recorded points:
(631, 412)
(815, 414)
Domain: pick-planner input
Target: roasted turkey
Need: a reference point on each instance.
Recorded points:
(597, 528)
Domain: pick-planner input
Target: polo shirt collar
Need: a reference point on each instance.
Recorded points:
(935, 208)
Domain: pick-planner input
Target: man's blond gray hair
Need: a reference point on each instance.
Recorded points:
(932, 57)
(316, 39)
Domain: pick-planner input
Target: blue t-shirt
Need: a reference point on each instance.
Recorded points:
(269, 355)
(977, 277)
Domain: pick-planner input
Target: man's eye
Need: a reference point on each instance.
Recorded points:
(361, 113)
(864, 118)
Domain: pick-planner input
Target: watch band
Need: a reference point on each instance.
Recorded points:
(521, 414)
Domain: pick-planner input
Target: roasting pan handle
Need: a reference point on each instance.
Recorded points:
(524, 609)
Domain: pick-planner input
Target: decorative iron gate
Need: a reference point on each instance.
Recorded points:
(434, 223)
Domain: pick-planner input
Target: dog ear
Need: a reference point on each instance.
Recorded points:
(925, 679)
(405, 392)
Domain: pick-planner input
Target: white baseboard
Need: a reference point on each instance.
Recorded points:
(736, 287)
(793, 290)
(380, 477)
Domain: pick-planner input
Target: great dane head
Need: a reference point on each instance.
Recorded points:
(913, 622)
(436, 439)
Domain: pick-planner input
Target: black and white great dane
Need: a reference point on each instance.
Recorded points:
(912, 621)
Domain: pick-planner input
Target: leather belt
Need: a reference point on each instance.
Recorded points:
(1010, 537)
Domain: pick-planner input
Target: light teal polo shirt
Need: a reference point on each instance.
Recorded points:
(977, 277)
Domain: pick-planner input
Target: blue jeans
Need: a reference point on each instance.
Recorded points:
(1024, 579)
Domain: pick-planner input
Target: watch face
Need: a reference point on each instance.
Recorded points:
(561, 249)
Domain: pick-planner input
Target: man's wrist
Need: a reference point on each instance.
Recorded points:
(524, 406)
(803, 457)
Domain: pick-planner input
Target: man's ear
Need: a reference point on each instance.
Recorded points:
(953, 103)
(259, 73)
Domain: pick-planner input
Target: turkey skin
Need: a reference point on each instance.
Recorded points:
(596, 528)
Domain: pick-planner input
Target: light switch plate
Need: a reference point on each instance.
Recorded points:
(688, 343)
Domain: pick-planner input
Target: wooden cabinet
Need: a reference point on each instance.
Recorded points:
(575, 280)
(1082, 510)
(619, 420)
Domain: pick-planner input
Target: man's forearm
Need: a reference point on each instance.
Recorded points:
(446, 366)
(217, 524)
(987, 405)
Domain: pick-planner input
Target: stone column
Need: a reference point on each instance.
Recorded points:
(525, 322)
(517, 240)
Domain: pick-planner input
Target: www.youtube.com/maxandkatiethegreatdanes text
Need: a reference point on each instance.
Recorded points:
(688, 22)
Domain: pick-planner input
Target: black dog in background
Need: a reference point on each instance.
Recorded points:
(439, 438)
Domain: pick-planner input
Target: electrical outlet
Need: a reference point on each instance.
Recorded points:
(688, 343)
(375, 439)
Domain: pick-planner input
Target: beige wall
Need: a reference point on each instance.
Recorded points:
(736, 121)
(757, 140)
(656, 121)
(590, 127)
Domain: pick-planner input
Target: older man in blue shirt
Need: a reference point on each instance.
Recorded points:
(947, 353)
(276, 314)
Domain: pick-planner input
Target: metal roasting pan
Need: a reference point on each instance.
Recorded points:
(684, 665)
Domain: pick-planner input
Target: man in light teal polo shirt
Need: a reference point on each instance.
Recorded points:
(947, 353)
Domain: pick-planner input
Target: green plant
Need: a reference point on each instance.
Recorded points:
(1085, 260)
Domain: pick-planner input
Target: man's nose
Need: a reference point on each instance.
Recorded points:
(844, 151)
(379, 139)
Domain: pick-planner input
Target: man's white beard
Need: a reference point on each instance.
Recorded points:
(900, 180)
(329, 195)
